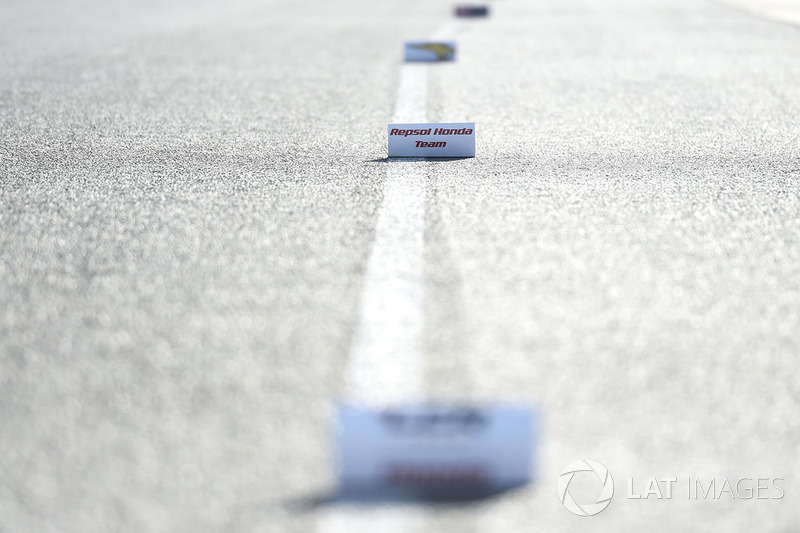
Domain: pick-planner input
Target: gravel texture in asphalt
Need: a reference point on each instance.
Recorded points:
(188, 200)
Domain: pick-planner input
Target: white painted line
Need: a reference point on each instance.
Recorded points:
(385, 363)
(355, 518)
(446, 30)
(385, 359)
(412, 95)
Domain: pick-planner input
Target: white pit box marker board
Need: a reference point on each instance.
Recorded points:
(472, 11)
(430, 51)
(435, 447)
(455, 139)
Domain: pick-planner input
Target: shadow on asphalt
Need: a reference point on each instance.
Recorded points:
(395, 496)
(414, 159)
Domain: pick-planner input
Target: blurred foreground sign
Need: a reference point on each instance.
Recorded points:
(432, 140)
(435, 447)
(430, 51)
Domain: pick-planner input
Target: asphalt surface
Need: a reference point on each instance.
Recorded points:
(787, 11)
(188, 202)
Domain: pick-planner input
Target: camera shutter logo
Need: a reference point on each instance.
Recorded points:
(589, 509)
